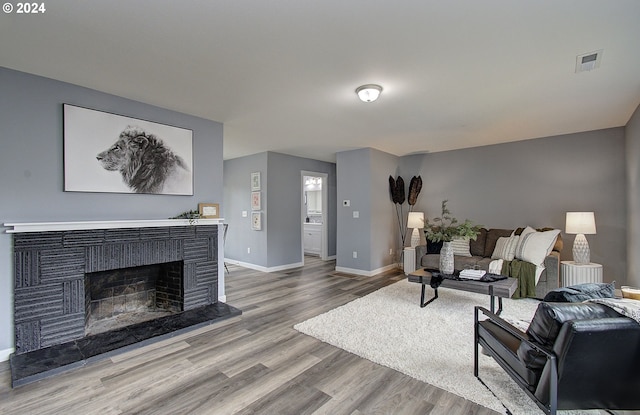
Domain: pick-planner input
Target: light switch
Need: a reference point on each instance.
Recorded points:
(244, 213)
(356, 213)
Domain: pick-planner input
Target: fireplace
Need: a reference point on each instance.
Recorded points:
(126, 296)
(54, 270)
(86, 290)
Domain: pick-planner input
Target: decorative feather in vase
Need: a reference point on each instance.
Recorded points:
(415, 185)
(398, 196)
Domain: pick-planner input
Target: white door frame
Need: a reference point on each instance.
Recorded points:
(324, 246)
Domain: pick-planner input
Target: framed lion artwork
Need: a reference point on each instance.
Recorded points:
(106, 152)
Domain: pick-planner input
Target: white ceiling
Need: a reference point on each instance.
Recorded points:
(281, 74)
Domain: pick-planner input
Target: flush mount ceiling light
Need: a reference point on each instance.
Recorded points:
(369, 92)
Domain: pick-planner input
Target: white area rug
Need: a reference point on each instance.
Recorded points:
(432, 344)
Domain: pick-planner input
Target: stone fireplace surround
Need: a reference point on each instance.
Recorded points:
(49, 287)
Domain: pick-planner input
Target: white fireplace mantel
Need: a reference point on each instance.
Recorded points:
(106, 224)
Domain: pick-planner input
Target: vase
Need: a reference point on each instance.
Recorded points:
(446, 258)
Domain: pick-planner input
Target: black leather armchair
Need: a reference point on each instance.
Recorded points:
(573, 355)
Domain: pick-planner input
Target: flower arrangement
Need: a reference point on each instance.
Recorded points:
(447, 228)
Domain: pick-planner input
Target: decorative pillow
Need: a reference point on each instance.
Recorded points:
(535, 246)
(492, 238)
(558, 245)
(522, 232)
(476, 246)
(580, 292)
(505, 248)
(460, 247)
(547, 322)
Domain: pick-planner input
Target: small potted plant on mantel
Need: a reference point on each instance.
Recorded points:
(445, 229)
(191, 215)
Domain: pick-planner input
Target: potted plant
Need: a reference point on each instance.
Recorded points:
(191, 215)
(445, 229)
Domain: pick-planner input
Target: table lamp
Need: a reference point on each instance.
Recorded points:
(581, 223)
(415, 221)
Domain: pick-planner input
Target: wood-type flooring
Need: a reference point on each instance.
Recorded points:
(252, 364)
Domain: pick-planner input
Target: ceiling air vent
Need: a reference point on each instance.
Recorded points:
(588, 61)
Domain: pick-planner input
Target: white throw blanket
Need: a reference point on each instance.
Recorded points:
(625, 306)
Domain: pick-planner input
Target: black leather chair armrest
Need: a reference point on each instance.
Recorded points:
(514, 373)
(505, 325)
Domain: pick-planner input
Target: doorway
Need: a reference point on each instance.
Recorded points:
(314, 209)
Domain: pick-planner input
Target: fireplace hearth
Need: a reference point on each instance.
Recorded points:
(49, 361)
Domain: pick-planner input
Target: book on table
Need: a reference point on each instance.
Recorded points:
(472, 274)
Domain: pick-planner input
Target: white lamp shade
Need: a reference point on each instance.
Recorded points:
(415, 220)
(580, 222)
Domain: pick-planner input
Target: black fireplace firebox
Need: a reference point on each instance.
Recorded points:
(126, 296)
(53, 271)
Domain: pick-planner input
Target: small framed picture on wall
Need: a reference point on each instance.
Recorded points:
(255, 181)
(255, 201)
(256, 221)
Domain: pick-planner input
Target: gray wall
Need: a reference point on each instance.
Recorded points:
(284, 203)
(384, 225)
(535, 182)
(633, 198)
(279, 243)
(237, 194)
(363, 179)
(31, 166)
(353, 170)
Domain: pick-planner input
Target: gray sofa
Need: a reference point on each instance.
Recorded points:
(427, 256)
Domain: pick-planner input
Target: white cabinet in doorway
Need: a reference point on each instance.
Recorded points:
(312, 238)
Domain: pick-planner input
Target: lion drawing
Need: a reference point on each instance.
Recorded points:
(145, 163)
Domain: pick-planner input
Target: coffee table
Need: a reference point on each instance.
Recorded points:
(501, 289)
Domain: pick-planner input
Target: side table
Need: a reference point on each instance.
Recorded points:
(573, 273)
(409, 263)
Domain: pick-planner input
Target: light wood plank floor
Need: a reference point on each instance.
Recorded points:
(252, 364)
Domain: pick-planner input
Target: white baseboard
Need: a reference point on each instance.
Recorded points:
(264, 269)
(364, 273)
(285, 267)
(4, 354)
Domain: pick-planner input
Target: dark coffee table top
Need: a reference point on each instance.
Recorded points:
(502, 288)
